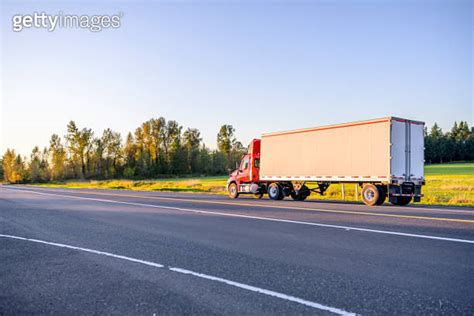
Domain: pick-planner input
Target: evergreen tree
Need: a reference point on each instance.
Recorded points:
(192, 140)
(455, 145)
(35, 165)
(112, 143)
(219, 163)
(436, 131)
(129, 150)
(226, 143)
(205, 161)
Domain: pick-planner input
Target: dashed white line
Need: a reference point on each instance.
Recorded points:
(97, 252)
(190, 210)
(263, 291)
(195, 274)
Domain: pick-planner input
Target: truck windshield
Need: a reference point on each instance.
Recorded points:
(245, 164)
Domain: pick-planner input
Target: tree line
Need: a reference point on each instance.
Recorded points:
(160, 148)
(157, 148)
(454, 145)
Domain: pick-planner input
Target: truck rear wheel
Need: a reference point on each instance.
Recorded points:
(370, 194)
(382, 194)
(275, 191)
(233, 190)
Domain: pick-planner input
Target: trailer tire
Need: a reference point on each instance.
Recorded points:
(370, 194)
(298, 197)
(275, 191)
(382, 194)
(303, 193)
(233, 191)
(401, 200)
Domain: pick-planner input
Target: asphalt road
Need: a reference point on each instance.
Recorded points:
(121, 252)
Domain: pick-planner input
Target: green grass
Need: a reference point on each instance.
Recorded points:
(192, 185)
(446, 184)
(450, 169)
(449, 184)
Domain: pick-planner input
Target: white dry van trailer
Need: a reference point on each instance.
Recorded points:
(385, 157)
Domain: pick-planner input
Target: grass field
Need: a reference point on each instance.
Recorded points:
(191, 185)
(446, 184)
(451, 184)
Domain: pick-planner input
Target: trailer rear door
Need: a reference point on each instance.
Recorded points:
(407, 150)
(417, 151)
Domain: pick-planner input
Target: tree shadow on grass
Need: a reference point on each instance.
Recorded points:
(117, 187)
(178, 190)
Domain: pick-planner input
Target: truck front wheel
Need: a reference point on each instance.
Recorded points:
(275, 191)
(370, 194)
(233, 191)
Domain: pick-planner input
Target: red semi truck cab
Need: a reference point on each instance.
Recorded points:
(245, 178)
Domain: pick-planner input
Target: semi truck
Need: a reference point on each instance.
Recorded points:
(383, 157)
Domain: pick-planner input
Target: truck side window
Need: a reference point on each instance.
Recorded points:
(245, 164)
(256, 163)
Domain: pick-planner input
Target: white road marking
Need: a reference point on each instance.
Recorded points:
(263, 291)
(108, 254)
(196, 274)
(190, 210)
(320, 202)
(432, 209)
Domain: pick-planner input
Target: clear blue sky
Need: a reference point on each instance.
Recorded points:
(259, 66)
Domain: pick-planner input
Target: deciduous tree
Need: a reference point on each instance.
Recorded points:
(79, 145)
(57, 155)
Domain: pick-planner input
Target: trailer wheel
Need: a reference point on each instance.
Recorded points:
(370, 194)
(401, 200)
(233, 191)
(382, 194)
(298, 197)
(275, 191)
(303, 193)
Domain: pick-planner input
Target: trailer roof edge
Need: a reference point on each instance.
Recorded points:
(332, 126)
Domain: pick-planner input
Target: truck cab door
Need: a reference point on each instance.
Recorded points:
(243, 174)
